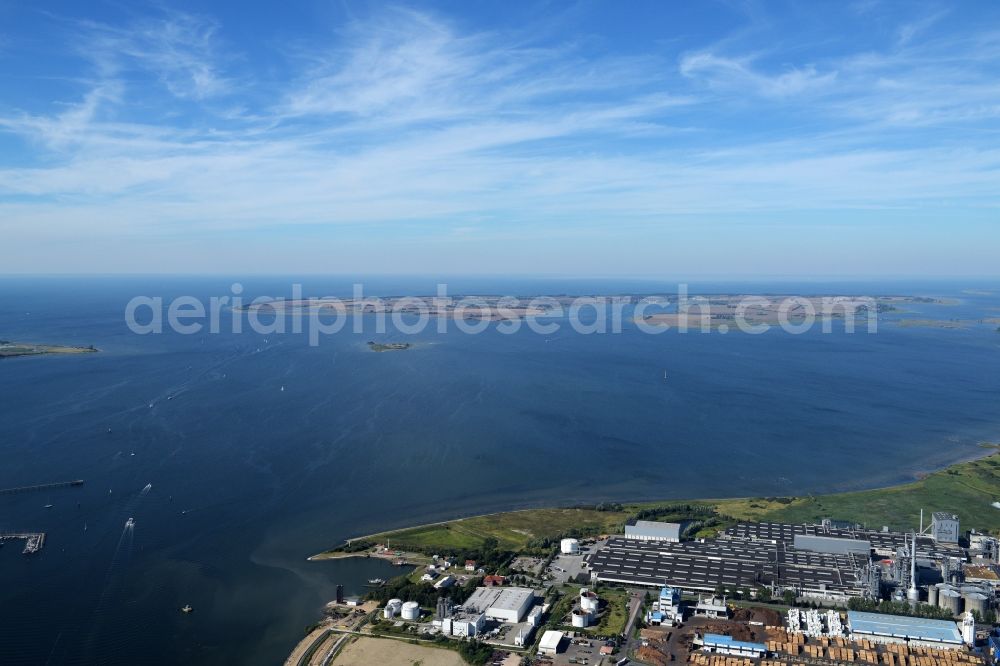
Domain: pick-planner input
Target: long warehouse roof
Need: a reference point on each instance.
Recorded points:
(900, 626)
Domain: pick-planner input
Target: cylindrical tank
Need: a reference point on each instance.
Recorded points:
(392, 608)
(569, 546)
(932, 595)
(973, 589)
(950, 599)
(975, 602)
(581, 618)
(411, 610)
(588, 601)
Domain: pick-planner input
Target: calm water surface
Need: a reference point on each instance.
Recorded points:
(248, 479)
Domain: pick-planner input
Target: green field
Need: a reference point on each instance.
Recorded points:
(512, 530)
(615, 615)
(967, 489)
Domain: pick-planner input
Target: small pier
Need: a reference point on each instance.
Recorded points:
(33, 541)
(41, 486)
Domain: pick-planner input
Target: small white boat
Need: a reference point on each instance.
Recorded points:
(130, 523)
(187, 609)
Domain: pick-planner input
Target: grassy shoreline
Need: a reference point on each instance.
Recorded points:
(967, 488)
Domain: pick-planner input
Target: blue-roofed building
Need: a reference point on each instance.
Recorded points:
(941, 634)
(667, 608)
(720, 644)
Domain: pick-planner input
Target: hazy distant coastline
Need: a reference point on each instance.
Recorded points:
(10, 349)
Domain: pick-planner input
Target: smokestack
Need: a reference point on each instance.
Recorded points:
(913, 594)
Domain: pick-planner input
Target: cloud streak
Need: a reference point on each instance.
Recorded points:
(411, 122)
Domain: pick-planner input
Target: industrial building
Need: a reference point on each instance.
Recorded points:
(703, 566)
(666, 609)
(720, 644)
(649, 530)
(832, 545)
(939, 634)
(827, 562)
(713, 607)
(504, 604)
(549, 645)
(463, 623)
(944, 527)
(884, 543)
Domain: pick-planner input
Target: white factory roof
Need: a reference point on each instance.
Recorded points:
(500, 598)
(652, 528)
(551, 640)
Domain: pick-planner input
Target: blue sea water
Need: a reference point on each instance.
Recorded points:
(248, 479)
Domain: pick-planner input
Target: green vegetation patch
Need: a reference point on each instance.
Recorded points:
(968, 489)
(514, 530)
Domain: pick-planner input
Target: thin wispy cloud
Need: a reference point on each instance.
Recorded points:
(740, 75)
(430, 125)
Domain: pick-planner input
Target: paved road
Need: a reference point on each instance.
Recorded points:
(635, 605)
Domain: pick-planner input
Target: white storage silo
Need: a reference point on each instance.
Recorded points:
(411, 610)
(392, 608)
(581, 618)
(569, 546)
(932, 595)
(588, 601)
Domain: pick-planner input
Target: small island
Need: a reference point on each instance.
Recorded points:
(9, 348)
(388, 346)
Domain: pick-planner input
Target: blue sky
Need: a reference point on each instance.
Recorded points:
(665, 139)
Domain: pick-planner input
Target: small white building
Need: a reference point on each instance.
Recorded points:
(549, 644)
(651, 530)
